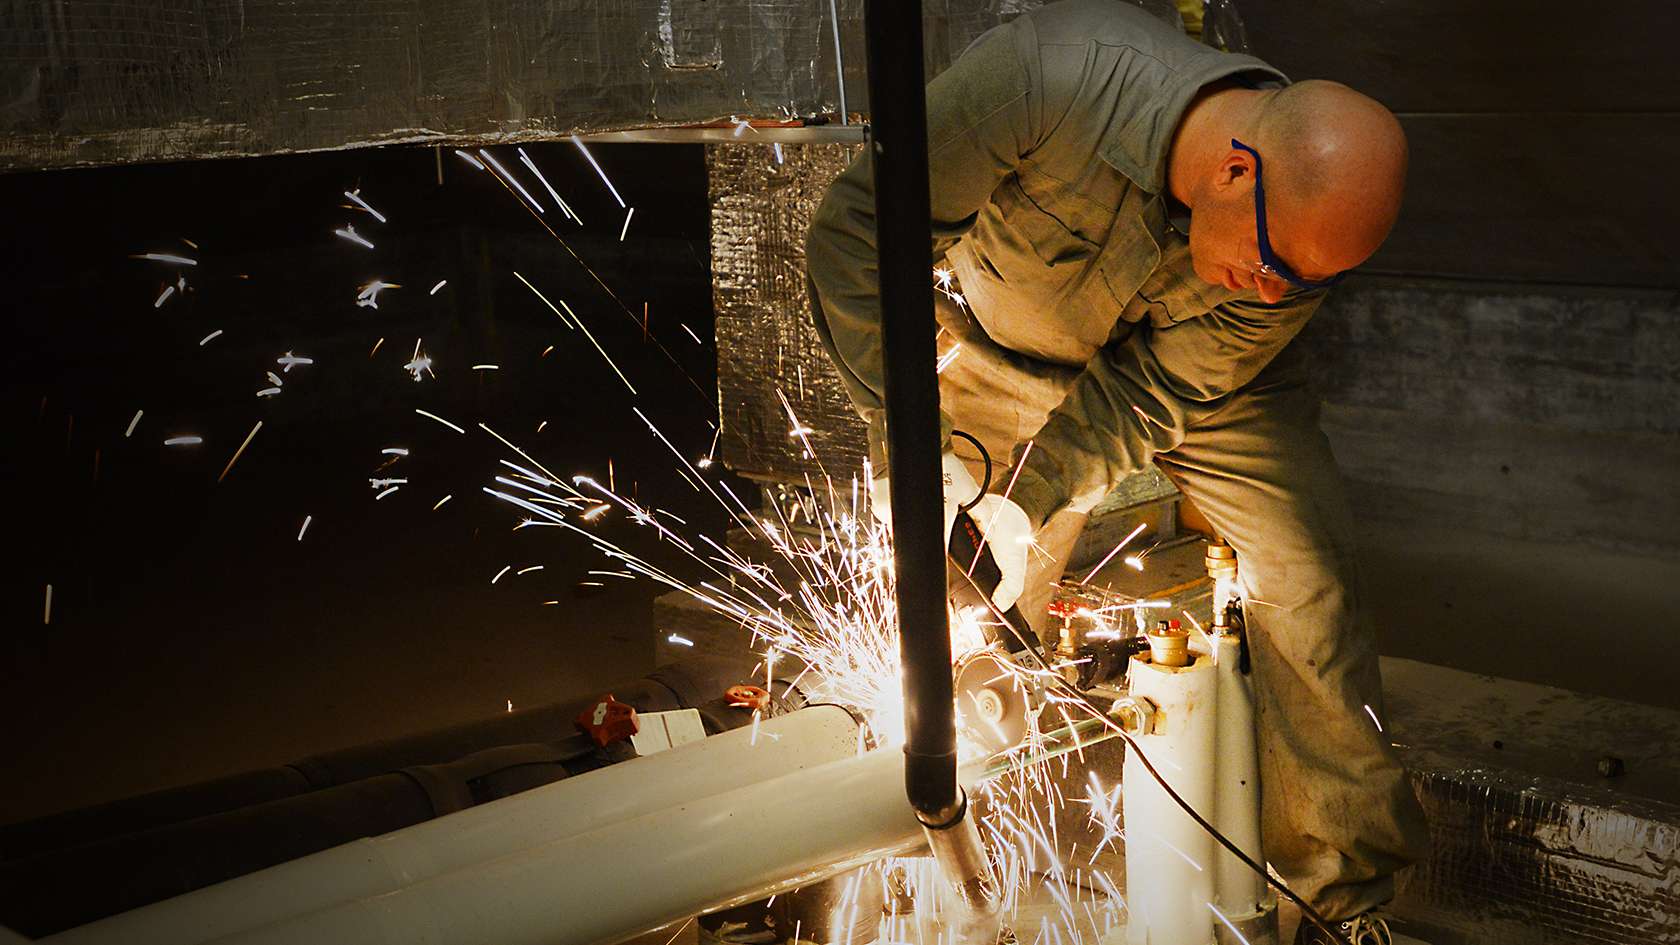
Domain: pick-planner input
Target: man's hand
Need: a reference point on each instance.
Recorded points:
(960, 489)
(996, 551)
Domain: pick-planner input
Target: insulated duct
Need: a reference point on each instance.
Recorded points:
(113, 81)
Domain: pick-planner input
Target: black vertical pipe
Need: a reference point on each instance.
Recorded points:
(904, 245)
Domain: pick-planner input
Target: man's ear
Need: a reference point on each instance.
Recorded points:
(1237, 169)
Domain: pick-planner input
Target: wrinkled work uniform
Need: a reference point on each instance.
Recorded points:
(1087, 332)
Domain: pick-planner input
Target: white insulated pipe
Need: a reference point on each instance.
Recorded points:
(619, 793)
(637, 875)
(1239, 891)
(1169, 857)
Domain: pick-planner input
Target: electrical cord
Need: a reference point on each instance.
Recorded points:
(987, 482)
(1029, 640)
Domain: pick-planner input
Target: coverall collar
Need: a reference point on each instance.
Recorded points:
(1137, 144)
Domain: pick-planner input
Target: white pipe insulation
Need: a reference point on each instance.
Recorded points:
(1183, 887)
(637, 875)
(1169, 857)
(375, 866)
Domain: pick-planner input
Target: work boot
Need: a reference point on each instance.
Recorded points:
(1367, 928)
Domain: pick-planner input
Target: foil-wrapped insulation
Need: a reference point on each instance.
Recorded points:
(1536, 838)
(116, 81)
(772, 368)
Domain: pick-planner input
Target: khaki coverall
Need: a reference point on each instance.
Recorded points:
(1089, 334)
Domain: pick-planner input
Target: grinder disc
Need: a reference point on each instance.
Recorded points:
(993, 703)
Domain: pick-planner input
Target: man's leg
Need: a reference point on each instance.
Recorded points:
(1339, 816)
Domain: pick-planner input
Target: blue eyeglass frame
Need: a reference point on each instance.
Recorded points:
(1269, 260)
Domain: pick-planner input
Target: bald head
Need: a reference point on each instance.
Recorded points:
(1335, 169)
(1333, 165)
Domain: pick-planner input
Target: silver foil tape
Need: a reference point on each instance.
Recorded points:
(772, 368)
(1536, 861)
(111, 81)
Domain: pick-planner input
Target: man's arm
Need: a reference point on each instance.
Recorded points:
(1139, 396)
(985, 112)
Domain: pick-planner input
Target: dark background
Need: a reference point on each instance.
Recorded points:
(192, 633)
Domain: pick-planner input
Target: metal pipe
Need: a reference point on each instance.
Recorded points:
(624, 792)
(904, 247)
(640, 874)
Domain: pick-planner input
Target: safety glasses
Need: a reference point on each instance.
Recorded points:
(1270, 263)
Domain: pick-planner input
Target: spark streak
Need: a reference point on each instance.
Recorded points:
(289, 360)
(626, 228)
(349, 233)
(499, 574)
(582, 327)
(1110, 556)
(680, 640)
(510, 179)
(46, 614)
(355, 197)
(560, 202)
(444, 499)
(239, 452)
(386, 493)
(441, 283)
(209, 338)
(183, 441)
(164, 296)
(1373, 716)
(579, 142)
(368, 297)
(170, 258)
(132, 424)
(306, 521)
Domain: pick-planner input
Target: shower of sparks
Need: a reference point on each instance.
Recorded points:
(441, 501)
(558, 200)
(626, 227)
(289, 360)
(420, 364)
(440, 284)
(1374, 719)
(1110, 556)
(209, 338)
(510, 179)
(433, 416)
(183, 441)
(679, 640)
(355, 197)
(306, 520)
(239, 452)
(169, 258)
(163, 297)
(132, 424)
(499, 574)
(592, 163)
(349, 233)
(368, 296)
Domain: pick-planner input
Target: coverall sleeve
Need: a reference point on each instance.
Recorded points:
(1140, 395)
(985, 112)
